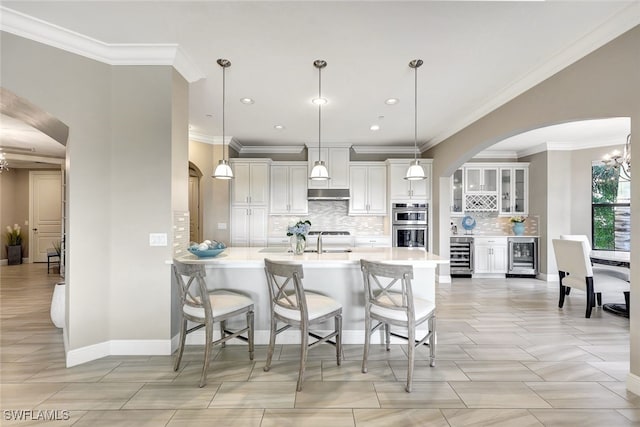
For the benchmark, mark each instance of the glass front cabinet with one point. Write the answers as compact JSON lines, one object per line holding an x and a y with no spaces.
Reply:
{"x":476,"y":186}
{"x":514,"y":188}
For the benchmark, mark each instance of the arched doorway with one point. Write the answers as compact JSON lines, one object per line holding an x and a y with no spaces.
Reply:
{"x":195,"y":207}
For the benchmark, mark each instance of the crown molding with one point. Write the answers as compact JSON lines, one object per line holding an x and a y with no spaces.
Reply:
{"x":566,"y":146}
{"x":383,"y":149}
{"x":213,"y":140}
{"x":496,"y":154}
{"x":44,"y":32}
{"x":623,"y":21}
{"x":272,"y":149}
{"x":329,"y":145}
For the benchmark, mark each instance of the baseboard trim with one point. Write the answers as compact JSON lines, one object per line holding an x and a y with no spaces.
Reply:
{"x":86,"y":354}
{"x":4,"y":262}
{"x":548,"y":277}
{"x":445,"y":278}
{"x":633,"y":383}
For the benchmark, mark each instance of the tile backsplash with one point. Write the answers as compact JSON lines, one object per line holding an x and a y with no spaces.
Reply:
{"x":493,"y":225}
{"x":330,"y":216}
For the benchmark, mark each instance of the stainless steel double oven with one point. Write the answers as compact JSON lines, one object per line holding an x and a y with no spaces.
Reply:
{"x":410,"y":225}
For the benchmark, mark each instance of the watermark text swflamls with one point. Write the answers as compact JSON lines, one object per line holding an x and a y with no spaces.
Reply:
{"x":35,"y":415}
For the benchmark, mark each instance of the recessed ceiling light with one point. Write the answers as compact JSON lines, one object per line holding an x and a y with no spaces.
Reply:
{"x":374,"y":127}
{"x":278,"y":127}
{"x":247,"y":101}
{"x":392,"y":101}
{"x":319,"y":101}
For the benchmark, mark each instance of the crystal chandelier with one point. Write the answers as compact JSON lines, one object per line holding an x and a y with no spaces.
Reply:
{"x":4,"y":165}
{"x":620,"y":163}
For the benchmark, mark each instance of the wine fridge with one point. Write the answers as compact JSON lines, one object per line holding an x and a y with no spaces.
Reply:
{"x":523,"y":256}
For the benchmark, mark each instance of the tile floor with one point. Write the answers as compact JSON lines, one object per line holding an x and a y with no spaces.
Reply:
{"x":507,"y":356}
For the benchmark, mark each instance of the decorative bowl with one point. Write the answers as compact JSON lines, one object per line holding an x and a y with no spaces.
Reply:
{"x":207,"y":253}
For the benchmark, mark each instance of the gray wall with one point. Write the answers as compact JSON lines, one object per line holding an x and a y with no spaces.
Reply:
{"x":121,"y":184}
{"x":605,"y":83}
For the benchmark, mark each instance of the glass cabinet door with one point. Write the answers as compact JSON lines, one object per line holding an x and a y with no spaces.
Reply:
{"x":456,"y":192}
{"x":519,"y":195}
{"x":473,"y":180}
{"x":505,"y":190}
{"x":490,"y":180}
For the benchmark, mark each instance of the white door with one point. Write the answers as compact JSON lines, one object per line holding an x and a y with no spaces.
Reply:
{"x":45,"y":213}
{"x":377,"y":190}
{"x":399,"y":187}
{"x":279,"y":200}
{"x":298,"y":190}
{"x":358,"y":201}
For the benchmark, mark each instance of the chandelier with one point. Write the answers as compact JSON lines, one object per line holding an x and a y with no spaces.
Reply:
{"x":620,"y":163}
{"x":4,"y":165}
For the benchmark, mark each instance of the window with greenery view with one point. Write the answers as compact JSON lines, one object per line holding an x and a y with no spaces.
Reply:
{"x":610,"y":209}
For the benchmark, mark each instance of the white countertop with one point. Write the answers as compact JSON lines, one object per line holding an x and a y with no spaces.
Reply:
{"x":254,"y":257}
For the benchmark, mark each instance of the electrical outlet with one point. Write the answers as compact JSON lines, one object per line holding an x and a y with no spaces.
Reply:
{"x":157,"y":239}
{"x":222,"y":226}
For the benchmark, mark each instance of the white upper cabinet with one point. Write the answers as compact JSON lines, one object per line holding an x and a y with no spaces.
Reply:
{"x":481,"y":179}
{"x":368,"y":189}
{"x":514,"y":190}
{"x":288,"y":188}
{"x":491,"y":187}
{"x":402,"y":189}
{"x":457,"y":192}
{"x":337,"y":161}
{"x":251,"y":183}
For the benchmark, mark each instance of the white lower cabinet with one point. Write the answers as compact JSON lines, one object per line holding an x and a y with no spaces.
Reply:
{"x":490,"y":255}
{"x":249,"y":226}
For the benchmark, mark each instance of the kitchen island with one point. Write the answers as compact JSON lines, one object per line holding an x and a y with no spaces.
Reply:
{"x":335,"y":274}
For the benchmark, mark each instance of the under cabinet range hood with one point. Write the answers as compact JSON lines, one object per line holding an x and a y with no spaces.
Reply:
{"x":328,"y":194}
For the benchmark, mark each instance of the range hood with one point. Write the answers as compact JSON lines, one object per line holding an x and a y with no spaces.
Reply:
{"x":328,"y":194}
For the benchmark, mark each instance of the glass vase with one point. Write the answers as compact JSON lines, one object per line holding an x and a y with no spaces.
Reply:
{"x":298,"y":244}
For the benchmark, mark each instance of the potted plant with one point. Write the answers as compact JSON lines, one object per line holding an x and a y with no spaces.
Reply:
{"x":14,"y":244}
{"x":518,"y":224}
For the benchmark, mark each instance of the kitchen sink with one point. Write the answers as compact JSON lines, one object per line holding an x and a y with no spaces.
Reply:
{"x":328,"y":251}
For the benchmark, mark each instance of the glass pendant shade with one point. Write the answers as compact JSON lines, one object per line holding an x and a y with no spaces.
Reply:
{"x":319,"y":171}
{"x":415,"y":172}
{"x":223,"y":170}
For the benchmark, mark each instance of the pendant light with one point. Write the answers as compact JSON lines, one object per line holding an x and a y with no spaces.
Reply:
{"x":319,"y":171}
{"x":223,"y":170}
{"x":415,"y":171}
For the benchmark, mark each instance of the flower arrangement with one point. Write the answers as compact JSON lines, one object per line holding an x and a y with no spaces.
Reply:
{"x":14,"y":235}
{"x":518,"y":218}
{"x":299,"y":229}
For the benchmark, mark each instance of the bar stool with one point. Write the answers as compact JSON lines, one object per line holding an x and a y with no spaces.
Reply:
{"x":292,"y":305}
{"x":220,"y":306}
{"x":389,"y":305}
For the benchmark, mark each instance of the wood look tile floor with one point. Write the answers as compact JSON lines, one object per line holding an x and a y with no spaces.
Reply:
{"x":507,"y":356}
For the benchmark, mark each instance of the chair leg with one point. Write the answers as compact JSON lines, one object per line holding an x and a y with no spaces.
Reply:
{"x":432,"y":341}
{"x":411,"y":346}
{"x":367,"y":341}
{"x":207,"y":353}
{"x":272,"y":343}
{"x":590,"y":297}
{"x":250,"y":334}
{"x":338,"y":323}
{"x":568,"y":290}
{"x":223,"y":324}
{"x":563,"y":292}
{"x":387,"y":336}
{"x":183,"y":336}
{"x":599,"y":297}
{"x":626,"y":300}
{"x":304,"y":348}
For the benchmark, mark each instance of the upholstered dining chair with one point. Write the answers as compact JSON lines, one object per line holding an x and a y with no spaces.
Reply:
{"x":292,"y":305}
{"x":619,"y":272}
{"x":206,"y":307}
{"x":574,"y":268}
{"x":389,"y":300}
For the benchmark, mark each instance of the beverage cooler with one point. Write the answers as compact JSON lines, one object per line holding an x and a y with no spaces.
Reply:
{"x":523,"y":256}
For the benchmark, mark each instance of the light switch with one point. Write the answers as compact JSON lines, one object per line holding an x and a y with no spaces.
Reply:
{"x":222,"y":226}
{"x":157,"y":239}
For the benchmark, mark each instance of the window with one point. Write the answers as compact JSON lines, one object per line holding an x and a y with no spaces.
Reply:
{"x":610,"y":209}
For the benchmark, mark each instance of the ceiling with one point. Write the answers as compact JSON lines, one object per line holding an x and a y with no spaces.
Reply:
{"x":477,"y":56}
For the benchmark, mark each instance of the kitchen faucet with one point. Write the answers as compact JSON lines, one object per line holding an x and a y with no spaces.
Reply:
{"x":319,"y":246}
